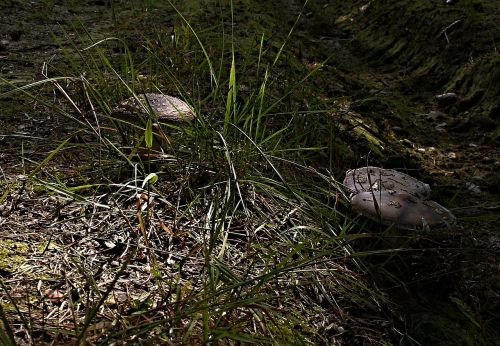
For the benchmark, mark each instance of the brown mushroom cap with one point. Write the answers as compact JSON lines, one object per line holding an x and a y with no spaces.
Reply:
{"x":380,"y":179}
{"x":165,"y":107}
{"x":403,"y":210}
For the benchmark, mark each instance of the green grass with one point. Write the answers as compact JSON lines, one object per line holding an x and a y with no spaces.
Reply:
{"x":269,"y":227}
{"x":235,"y":231}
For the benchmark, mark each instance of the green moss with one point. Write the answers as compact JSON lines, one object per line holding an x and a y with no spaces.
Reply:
{"x":12,"y":254}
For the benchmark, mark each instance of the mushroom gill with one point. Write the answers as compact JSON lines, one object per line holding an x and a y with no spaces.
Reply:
{"x":402,"y":210}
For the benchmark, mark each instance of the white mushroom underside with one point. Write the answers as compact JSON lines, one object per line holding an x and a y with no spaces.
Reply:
{"x":402,"y":210}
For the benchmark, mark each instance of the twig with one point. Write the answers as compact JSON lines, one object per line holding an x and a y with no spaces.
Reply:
{"x":443,"y":32}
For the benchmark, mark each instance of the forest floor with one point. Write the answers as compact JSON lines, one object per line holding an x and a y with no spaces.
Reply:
{"x":383,"y":64}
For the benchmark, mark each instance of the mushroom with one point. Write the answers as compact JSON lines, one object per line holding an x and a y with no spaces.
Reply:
{"x":166,"y":108}
{"x":394,"y":198}
{"x":402,"y":210}
{"x":380,"y":179}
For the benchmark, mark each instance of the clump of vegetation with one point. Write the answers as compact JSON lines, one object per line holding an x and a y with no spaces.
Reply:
{"x":232,"y":228}
{"x":222,"y":233}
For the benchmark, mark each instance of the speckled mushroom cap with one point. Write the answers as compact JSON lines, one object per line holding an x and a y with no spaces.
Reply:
{"x":394,"y":198}
{"x":402,"y":210}
{"x":166,"y":108}
{"x":380,"y":179}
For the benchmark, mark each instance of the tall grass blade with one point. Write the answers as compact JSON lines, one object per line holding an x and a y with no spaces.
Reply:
{"x":6,"y":335}
{"x":202,"y":46}
{"x":231,"y":97}
{"x":148,"y":134}
{"x":49,"y":157}
{"x":278,"y":55}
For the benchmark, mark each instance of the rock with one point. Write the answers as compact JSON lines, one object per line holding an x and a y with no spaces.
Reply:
{"x":402,"y":210}
{"x":473,"y":188}
{"x":446,"y":99}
